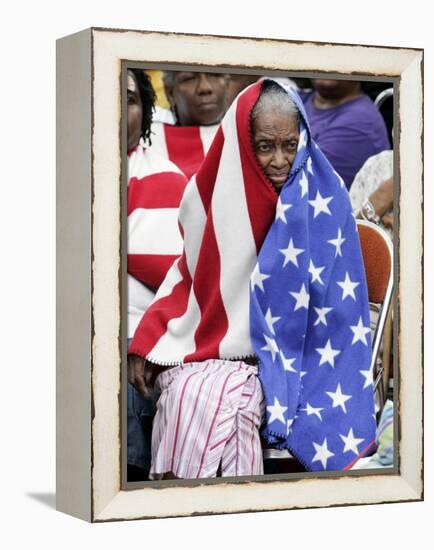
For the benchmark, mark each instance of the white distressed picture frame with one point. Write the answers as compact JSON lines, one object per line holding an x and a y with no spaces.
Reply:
{"x":89,"y":269}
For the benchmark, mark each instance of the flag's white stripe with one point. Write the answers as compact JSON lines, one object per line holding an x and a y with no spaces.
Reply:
{"x":173,"y":277}
{"x":229,"y":201}
{"x":207,"y":134}
{"x":178,"y":340}
{"x":192,"y":218}
{"x":145,"y":235}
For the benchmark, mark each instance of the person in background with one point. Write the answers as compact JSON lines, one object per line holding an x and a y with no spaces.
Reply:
{"x":198,"y":102}
{"x":155,"y":189}
{"x":237,"y":83}
{"x":346,"y":124}
{"x":371,"y":194}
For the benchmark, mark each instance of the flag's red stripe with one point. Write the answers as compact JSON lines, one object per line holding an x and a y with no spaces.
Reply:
{"x":153,"y":325}
{"x":184,"y":147}
{"x":260,"y":195}
{"x":150,"y":269}
{"x":162,"y":190}
{"x":214,"y":322}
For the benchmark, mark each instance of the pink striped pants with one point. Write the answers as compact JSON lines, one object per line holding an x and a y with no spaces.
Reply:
{"x":208,"y":415}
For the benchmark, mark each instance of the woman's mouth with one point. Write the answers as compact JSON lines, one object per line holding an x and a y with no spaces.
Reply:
{"x":277,"y":179}
{"x":207,"y":105}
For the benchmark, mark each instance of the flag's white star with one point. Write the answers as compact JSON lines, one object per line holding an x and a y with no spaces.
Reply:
{"x":287,"y":363}
{"x":338,"y":242}
{"x":312,"y":410}
{"x":328,"y":354}
{"x":276,"y":412}
{"x":348,"y":287}
{"x":303,"y":373}
{"x":322,"y":312}
{"x":270,"y":320}
{"x":271,"y":346}
{"x":360,"y":332}
{"x":291,"y":253}
{"x":320,"y":205}
{"x":316,"y":272}
{"x":257,"y":278}
{"x":351,"y":442}
{"x":309,"y":165}
{"x":302,"y":298}
{"x":304,"y":184}
{"x":281,"y":208}
{"x":369,"y":379}
{"x":322,"y":453}
{"x":339,"y":398}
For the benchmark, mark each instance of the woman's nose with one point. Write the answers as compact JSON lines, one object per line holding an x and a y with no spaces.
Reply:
{"x":280,"y":159}
{"x":204,"y":85}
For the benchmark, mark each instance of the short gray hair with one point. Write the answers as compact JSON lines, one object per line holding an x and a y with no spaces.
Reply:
{"x":274,"y":98}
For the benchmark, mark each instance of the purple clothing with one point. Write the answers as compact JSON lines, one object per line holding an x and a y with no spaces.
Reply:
{"x":347,"y":134}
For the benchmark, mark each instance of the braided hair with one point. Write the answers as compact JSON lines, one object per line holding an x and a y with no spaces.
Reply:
{"x":148,"y":97}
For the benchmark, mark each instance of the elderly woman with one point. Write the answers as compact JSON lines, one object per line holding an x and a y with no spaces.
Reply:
{"x":197,"y":103}
{"x":155,"y":188}
{"x":263,"y":318}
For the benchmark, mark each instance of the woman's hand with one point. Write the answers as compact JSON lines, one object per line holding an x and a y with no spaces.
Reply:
{"x":138,"y":375}
{"x":382,"y":198}
{"x":387,"y":221}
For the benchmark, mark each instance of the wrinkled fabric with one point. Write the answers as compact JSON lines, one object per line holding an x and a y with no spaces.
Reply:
{"x":309,"y":319}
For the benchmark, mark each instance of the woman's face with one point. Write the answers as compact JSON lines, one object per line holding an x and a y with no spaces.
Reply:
{"x":199,"y":98}
{"x":275,"y":141}
{"x":335,"y":89}
{"x":135,"y":112}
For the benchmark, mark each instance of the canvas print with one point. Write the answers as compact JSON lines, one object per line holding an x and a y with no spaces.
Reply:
{"x":259,"y":274}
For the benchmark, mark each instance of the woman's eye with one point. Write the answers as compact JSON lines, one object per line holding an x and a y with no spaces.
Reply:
{"x":263,"y":147}
{"x":187,"y":78}
{"x":292,"y":145}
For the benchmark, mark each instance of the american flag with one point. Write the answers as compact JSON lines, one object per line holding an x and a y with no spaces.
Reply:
{"x":309,"y":319}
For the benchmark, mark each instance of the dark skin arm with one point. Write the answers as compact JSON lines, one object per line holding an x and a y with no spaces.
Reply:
{"x":140,"y":374}
{"x":382,"y":201}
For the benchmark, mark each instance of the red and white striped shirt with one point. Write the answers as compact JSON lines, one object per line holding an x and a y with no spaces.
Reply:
{"x":185,"y":146}
{"x":155,"y":189}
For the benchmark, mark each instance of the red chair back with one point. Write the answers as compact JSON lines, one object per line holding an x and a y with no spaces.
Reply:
{"x":377,"y":257}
